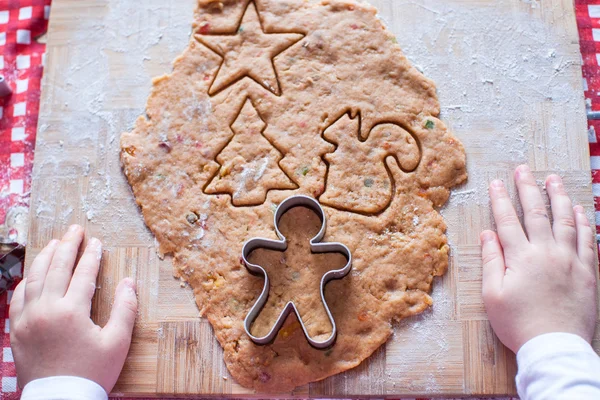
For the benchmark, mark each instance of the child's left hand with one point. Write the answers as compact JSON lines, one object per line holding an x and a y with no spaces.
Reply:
{"x":51,"y":331}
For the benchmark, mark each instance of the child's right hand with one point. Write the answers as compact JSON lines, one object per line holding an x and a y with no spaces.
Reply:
{"x":541,"y":279}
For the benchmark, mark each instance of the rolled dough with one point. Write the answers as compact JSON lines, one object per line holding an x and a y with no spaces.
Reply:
{"x":278,"y":97}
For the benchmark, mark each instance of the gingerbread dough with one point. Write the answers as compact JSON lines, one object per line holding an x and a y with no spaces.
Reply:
{"x":280,"y":97}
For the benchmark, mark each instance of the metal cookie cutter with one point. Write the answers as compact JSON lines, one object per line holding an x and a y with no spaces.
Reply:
{"x":281,"y":245}
{"x":5,"y":90}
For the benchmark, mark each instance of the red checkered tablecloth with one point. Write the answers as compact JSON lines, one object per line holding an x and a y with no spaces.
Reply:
{"x":588,"y":20}
{"x":21,"y":63}
{"x":22,"y":60}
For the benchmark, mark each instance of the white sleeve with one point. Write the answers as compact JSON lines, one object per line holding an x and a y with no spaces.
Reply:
{"x":63,"y":388}
{"x":558,"y":366}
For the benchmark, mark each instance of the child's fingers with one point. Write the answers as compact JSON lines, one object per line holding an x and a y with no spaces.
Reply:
{"x":510,"y":231}
{"x":562,"y":212}
{"x":17,"y":303}
{"x":585,"y":239}
{"x":536,"y":219}
{"x":83,"y":284}
{"x":38,"y":271}
{"x":122,"y":316}
{"x":61,"y":268}
{"x":493,"y":264}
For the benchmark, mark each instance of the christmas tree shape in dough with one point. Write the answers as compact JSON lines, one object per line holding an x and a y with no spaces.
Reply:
{"x":249,"y":163}
{"x":370,"y":187}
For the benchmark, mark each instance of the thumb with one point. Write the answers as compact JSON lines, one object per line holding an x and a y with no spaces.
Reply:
{"x":119,"y":328}
{"x":493,"y":265}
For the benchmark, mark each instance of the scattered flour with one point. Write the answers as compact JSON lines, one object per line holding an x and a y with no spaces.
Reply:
{"x":496,"y":70}
{"x":492,"y":66}
{"x":112,"y":60}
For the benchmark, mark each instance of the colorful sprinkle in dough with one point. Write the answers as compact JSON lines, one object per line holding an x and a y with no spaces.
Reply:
{"x":280,"y":97}
{"x":249,"y":163}
{"x":248,"y":42}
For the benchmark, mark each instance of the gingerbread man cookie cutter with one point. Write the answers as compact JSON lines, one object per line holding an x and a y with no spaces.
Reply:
{"x":281,"y":245}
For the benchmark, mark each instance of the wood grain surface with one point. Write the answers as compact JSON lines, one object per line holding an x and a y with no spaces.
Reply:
{"x":510,"y":86}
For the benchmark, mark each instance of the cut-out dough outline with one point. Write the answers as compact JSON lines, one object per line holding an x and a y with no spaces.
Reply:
{"x":214,"y":175}
{"x":316,"y":246}
{"x":251,"y":4}
{"x":352,"y":115}
{"x":357,"y":114}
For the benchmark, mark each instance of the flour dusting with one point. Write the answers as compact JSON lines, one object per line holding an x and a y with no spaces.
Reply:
{"x":492,"y":66}
{"x":112,"y":60}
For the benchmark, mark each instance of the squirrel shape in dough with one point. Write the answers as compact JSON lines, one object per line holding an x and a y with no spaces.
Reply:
{"x":370,"y":187}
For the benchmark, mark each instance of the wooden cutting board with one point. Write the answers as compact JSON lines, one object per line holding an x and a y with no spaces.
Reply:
{"x":510,"y":85}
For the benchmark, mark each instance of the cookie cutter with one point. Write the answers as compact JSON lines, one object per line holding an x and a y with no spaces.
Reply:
{"x":281,"y":245}
{"x":12,"y":256}
{"x":5,"y":89}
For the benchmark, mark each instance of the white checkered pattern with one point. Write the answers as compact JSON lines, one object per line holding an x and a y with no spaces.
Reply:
{"x":7,"y":355}
{"x":20,"y":109}
{"x":23,"y":62}
{"x":16,"y":186}
{"x":17,"y":134}
{"x":594,"y":11}
{"x":592,"y":137}
{"x":22,"y":85}
{"x":9,"y":384}
{"x":23,"y":36}
{"x":595,"y":161}
{"x":25,"y":13}
{"x":17,"y":160}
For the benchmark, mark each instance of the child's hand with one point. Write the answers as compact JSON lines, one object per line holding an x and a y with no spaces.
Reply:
{"x":51,"y":331}
{"x":542,"y":281}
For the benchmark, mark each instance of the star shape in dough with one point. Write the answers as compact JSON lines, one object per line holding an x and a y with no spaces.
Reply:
{"x":248,"y":52}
